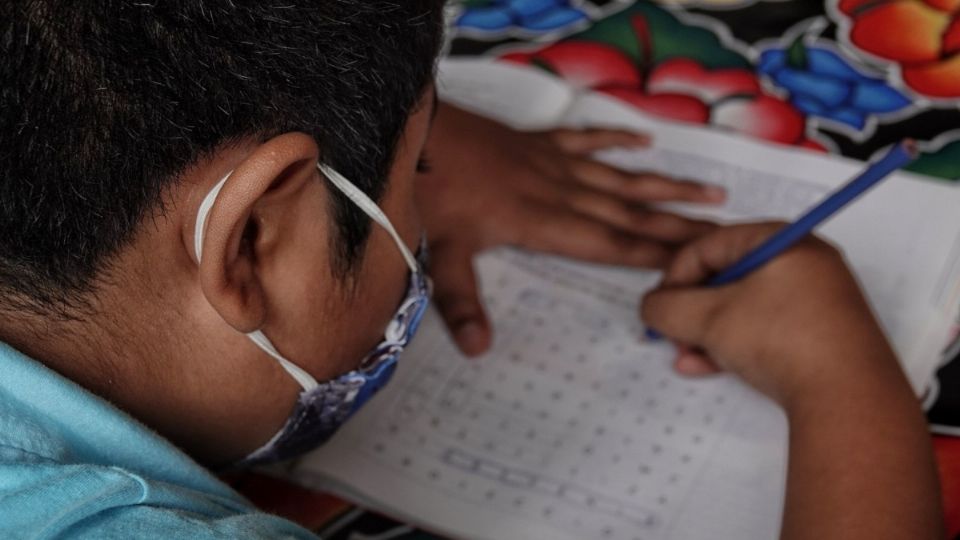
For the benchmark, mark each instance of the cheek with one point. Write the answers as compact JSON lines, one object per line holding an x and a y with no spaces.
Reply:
{"x":381,"y":288}
{"x":399,"y":203}
{"x":334,"y":329}
{"x":310,"y":319}
{"x":384,"y":276}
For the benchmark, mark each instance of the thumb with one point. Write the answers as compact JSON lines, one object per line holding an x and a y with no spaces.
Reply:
{"x":458,"y":300}
{"x":683,"y":314}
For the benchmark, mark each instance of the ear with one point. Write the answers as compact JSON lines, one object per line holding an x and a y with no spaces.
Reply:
{"x":276,"y":169}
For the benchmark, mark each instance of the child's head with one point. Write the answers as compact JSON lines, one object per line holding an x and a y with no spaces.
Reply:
{"x":118,"y":118}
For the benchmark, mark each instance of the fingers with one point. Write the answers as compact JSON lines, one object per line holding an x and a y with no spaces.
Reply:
{"x":586,"y":141}
{"x":458,"y":300}
{"x":562,"y":232}
{"x":636,"y":219}
{"x":643,"y":187}
{"x":683,"y":315}
{"x":714,"y":252}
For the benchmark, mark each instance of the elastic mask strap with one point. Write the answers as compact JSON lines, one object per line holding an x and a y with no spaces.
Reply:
{"x":201,"y":227}
{"x":307,"y":382}
{"x":370,"y":208}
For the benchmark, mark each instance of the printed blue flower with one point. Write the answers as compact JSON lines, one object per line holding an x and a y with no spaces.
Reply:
{"x":529,"y":15}
{"x":822,"y":84}
{"x":532,"y":8}
{"x":489,"y":19}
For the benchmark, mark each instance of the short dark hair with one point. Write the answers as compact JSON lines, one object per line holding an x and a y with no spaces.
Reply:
{"x":104,"y":104}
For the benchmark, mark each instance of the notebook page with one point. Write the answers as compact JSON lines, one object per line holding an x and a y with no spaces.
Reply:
{"x":573,"y":428}
{"x":535,"y":102}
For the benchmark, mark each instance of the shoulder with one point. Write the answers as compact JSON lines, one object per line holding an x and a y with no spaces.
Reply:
{"x":72,"y":465}
{"x":41,"y":497}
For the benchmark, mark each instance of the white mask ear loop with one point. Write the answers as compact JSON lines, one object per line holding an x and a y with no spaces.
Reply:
{"x":371,"y":209}
{"x":306,"y":381}
{"x":201,"y":226}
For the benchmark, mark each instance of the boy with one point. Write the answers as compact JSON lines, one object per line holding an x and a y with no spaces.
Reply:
{"x":210,"y":213}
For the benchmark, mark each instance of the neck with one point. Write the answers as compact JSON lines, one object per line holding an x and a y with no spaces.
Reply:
{"x":141,"y":354}
{"x":71,"y":344}
{"x":163,"y":387}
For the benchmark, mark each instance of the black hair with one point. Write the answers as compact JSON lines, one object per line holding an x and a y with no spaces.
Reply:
{"x":104,"y":104}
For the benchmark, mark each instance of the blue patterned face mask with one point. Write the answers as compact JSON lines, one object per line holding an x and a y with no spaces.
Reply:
{"x":323,"y":407}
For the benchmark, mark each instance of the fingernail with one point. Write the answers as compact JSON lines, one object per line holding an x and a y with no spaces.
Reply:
{"x":685,"y":365}
{"x":472,"y":338}
{"x":693,"y":365}
{"x":715,"y":193}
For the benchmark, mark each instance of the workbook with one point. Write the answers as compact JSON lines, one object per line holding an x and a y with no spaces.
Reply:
{"x":573,"y":427}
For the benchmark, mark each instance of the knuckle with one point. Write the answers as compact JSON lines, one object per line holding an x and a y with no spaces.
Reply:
{"x":701,"y":227}
{"x":580,"y":199}
{"x":765,"y":229}
{"x":827,"y":247}
{"x":562,"y":136}
{"x":621,"y":245}
{"x":648,"y":254}
{"x":810,"y":256}
{"x":652,"y":221}
{"x":711,"y":329}
{"x":814,"y":248}
{"x":582,"y":168}
{"x":649,"y":181}
{"x":673,"y":225}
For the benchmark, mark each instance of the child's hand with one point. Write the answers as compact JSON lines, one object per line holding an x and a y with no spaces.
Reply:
{"x":800,"y":331}
{"x":490,"y":185}
{"x":798,"y":323}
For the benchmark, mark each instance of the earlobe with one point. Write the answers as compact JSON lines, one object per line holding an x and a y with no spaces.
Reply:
{"x":228,"y":259}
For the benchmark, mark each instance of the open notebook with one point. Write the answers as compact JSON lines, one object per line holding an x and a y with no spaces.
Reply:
{"x":572,"y":427}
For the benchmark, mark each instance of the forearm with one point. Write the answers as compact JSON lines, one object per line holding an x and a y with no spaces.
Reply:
{"x":861,"y":465}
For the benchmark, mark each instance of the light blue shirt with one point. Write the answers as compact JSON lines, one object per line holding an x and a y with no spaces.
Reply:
{"x":72,"y":465}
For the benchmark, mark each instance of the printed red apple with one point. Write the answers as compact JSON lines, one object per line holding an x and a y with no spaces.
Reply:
{"x":763,"y":117}
{"x":585,"y":64}
{"x":679,"y":89}
{"x":678,"y":107}
{"x":811,"y":144}
{"x":922,"y":36}
{"x":685,"y":76}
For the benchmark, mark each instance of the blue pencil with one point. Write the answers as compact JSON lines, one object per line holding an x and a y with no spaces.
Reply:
{"x":898,"y":156}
